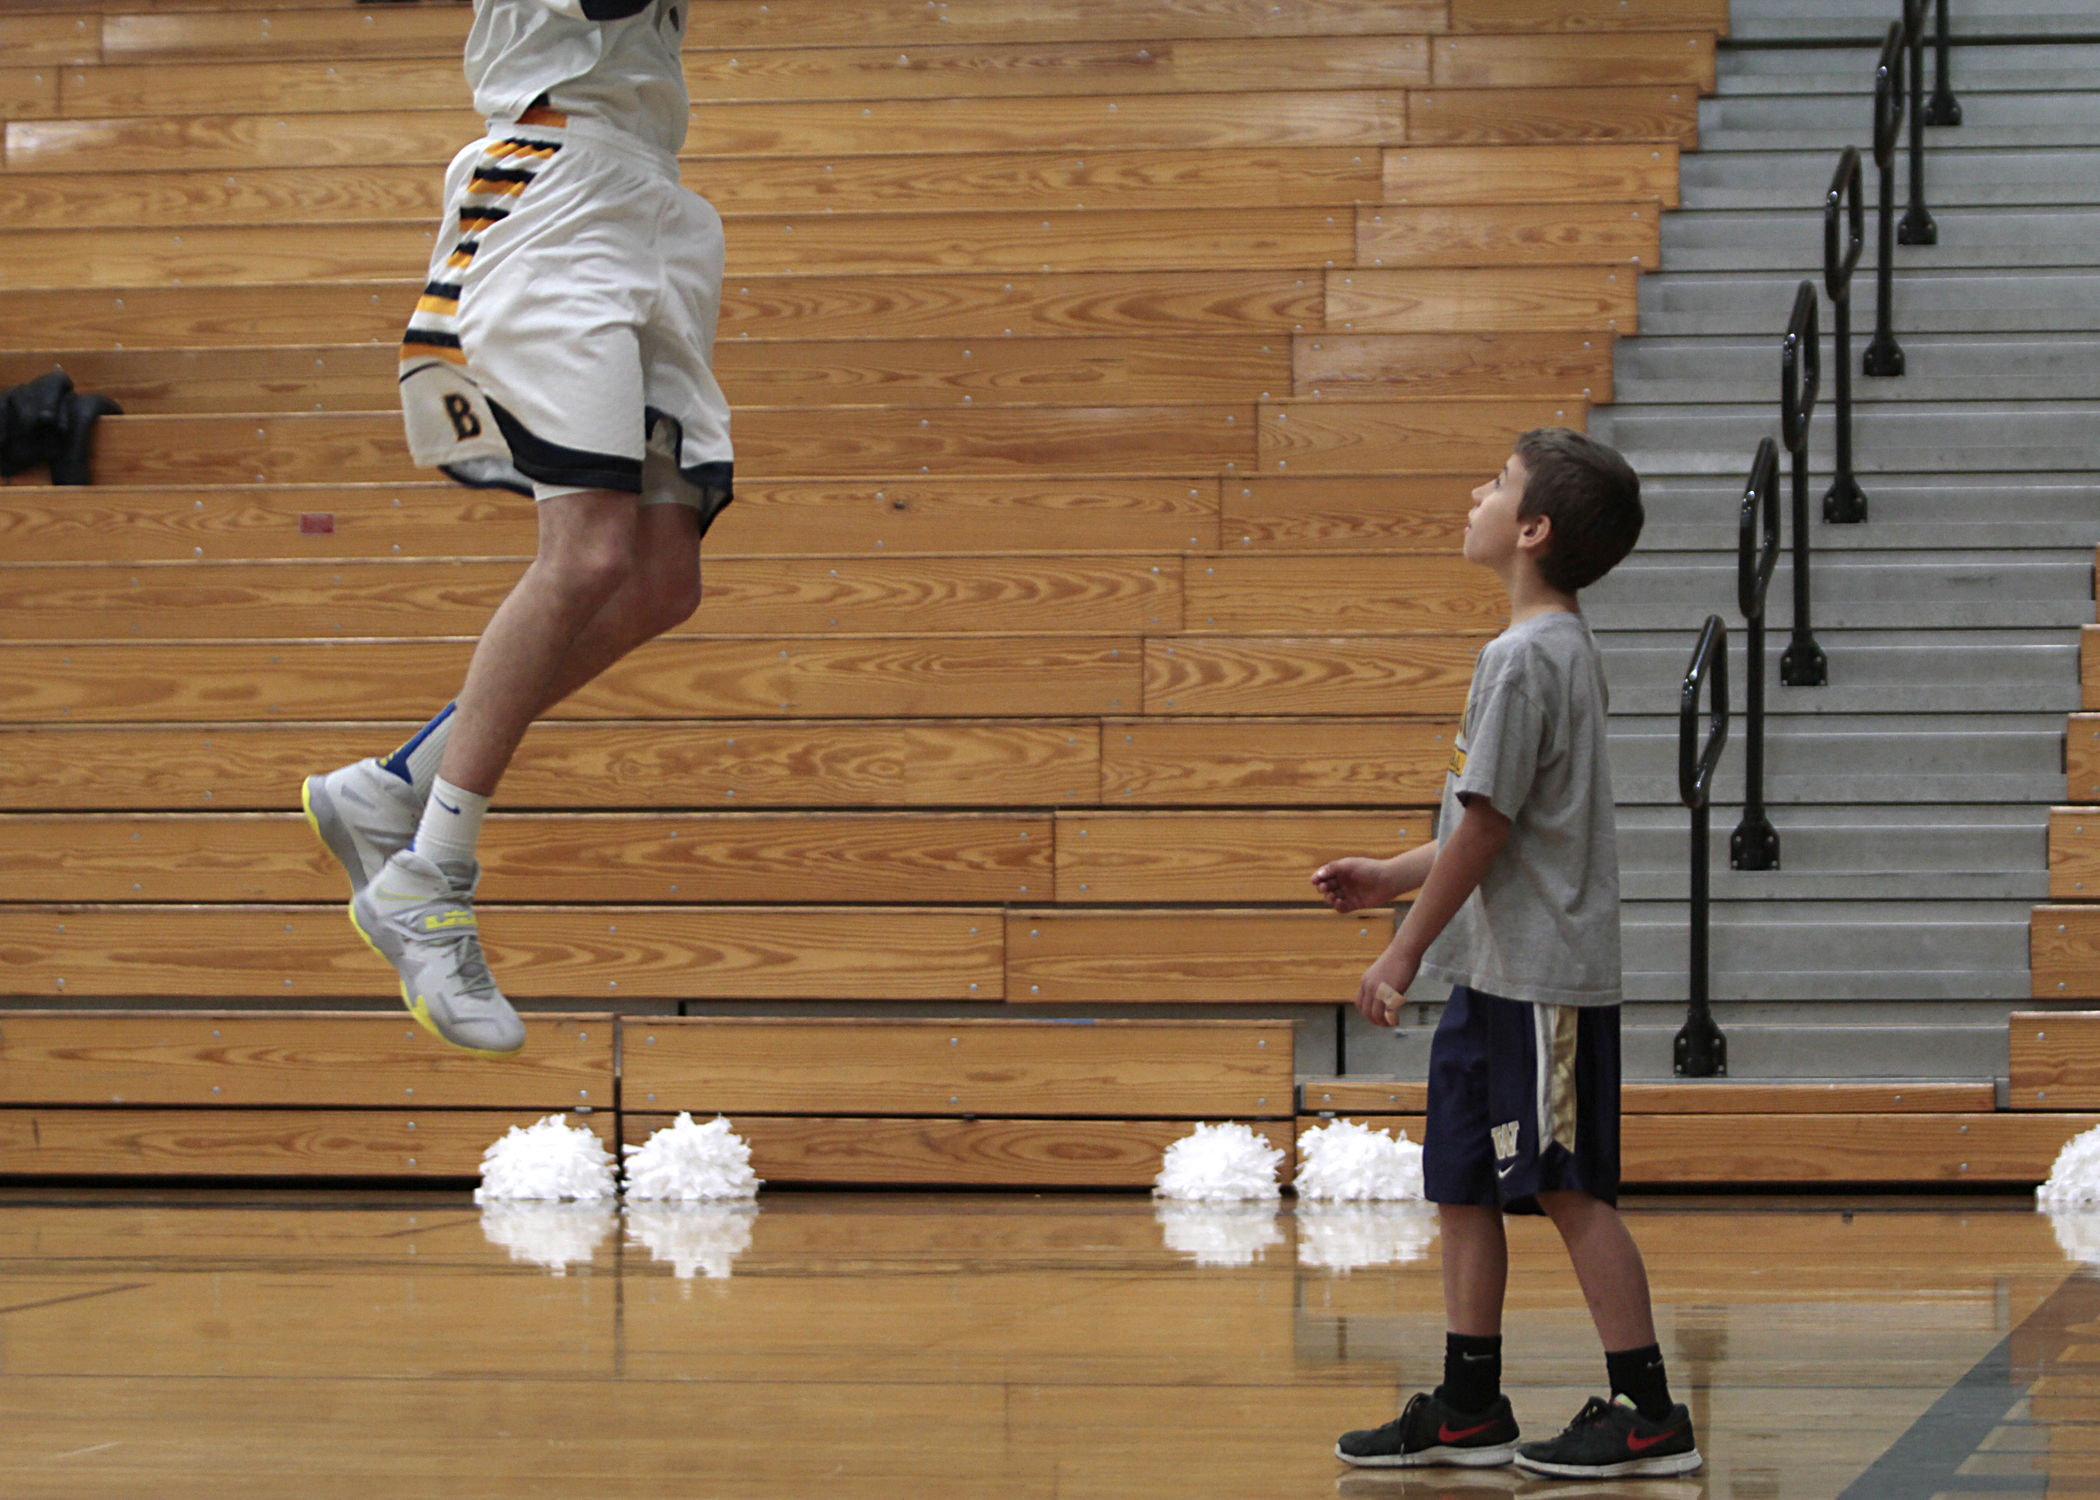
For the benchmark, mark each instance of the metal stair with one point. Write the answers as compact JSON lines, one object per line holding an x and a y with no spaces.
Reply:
{"x":1911,"y":793}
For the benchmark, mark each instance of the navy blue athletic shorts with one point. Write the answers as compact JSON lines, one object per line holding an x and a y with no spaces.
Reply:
{"x":1523,"y":1099}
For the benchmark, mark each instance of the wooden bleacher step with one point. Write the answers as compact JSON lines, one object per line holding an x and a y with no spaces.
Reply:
{"x":1160,"y":596}
{"x":1930,"y":1133}
{"x":1482,"y":300}
{"x":582,"y":765}
{"x":934,"y":1103}
{"x":612,"y":764}
{"x":695,"y":858}
{"x":1154,"y":368}
{"x":1334,"y":177}
{"x":2055,"y":1060}
{"x":603,"y":955}
{"x":1422,"y":513}
{"x":1010,"y":1103}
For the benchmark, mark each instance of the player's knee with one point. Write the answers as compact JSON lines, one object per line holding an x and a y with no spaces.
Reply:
{"x":591,"y":569}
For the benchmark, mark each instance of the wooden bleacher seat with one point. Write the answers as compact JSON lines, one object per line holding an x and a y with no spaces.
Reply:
{"x":1582,"y":173}
{"x":2064,"y":952}
{"x":1249,"y":762}
{"x":422,"y":519}
{"x":1235,"y":675}
{"x":764,"y":677}
{"x":936,"y":1103}
{"x":1453,"y":364}
{"x":1517,"y":299}
{"x":1227,"y":858}
{"x":1588,"y":15}
{"x":1745,"y":1131}
{"x":1312,"y":513}
{"x":233,"y":1059}
{"x":610,"y":954}
{"x":2082,"y":757}
{"x":1527,"y":60}
{"x":1137,"y":957}
{"x":584,"y":764}
{"x":970,"y":858}
{"x":2055,"y":1060}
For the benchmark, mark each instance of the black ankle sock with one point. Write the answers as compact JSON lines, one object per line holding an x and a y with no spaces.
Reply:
{"x":1638,"y":1375}
{"x":1472,"y":1372}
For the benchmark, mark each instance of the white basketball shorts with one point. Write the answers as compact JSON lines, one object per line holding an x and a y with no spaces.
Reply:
{"x":564,"y":338}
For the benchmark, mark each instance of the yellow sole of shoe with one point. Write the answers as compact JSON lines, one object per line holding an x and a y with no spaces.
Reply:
{"x":415,"y":1006}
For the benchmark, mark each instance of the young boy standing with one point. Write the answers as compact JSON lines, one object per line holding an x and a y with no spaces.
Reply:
{"x":1518,"y":909}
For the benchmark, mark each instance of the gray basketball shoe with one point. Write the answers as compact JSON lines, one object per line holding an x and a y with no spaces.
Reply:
{"x":419,"y":917}
{"x":364,"y":813}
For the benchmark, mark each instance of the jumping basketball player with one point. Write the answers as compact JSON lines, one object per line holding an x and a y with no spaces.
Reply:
{"x":561,"y":350}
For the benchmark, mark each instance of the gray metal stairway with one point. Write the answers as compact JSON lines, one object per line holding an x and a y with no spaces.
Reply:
{"x":1910,"y":794}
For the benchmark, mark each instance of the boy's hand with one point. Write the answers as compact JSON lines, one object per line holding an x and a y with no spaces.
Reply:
{"x":1383,"y":988}
{"x":1354,"y":883}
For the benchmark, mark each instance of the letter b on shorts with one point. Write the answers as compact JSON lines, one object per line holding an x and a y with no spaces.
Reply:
{"x":461,"y":411}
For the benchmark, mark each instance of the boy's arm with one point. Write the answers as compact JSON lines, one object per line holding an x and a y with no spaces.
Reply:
{"x":1354,"y":883}
{"x":1461,"y":861}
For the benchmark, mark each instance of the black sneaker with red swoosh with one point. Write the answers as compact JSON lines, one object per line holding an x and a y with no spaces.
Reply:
{"x":1427,"y":1434}
{"x":1612,"y":1440}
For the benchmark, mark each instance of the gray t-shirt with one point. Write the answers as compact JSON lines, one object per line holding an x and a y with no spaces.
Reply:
{"x":1544,"y":924}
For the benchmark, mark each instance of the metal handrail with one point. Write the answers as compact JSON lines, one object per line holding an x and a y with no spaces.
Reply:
{"x":1884,"y":354}
{"x":1945,"y":109}
{"x":1700,"y":1049}
{"x":1800,"y":372}
{"x":1755,"y":843}
{"x":1844,"y":223}
{"x":1917,"y":227}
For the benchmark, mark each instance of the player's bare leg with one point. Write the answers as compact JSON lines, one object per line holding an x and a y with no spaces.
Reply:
{"x":586,"y":554}
{"x":417,"y":910}
{"x":659,"y":593}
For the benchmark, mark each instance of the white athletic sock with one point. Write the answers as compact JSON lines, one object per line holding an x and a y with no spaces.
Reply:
{"x":417,"y":761}
{"x":451,"y":824}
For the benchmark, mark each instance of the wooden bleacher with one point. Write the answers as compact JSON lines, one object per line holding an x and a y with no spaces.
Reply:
{"x":2056,"y":1054}
{"x":1104,"y":415}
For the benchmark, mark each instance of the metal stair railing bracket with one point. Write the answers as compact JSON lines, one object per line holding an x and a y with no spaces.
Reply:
{"x":1884,"y":355}
{"x":1844,"y":236}
{"x":1945,"y":109}
{"x":1755,"y":843}
{"x":1800,"y":372}
{"x":1917,"y":227}
{"x":1700,"y":1050}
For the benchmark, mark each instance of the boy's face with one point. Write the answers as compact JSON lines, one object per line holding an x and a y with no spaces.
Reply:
{"x":1494,"y":532}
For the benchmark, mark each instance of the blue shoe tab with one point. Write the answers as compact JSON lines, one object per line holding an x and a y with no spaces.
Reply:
{"x":398,"y":761}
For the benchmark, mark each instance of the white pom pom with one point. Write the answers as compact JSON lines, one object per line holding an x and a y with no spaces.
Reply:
{"x":554,"y":1235}
{"x":2074,"y":1182}
{"x":1219,"y":1164}
{"x":1350,"y":1163}
{"x":702,"y":1237}
{"x":546,"y":1161}
{"x":688,"y":1163}
{"x":1218,"y":1234}
{"x":1350,"y":1236}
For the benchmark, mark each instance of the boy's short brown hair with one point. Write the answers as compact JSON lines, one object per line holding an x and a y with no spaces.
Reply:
{"x":1592,"y":497}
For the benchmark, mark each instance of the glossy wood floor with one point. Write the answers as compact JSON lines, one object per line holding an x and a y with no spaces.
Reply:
{"x":167,"y":1345}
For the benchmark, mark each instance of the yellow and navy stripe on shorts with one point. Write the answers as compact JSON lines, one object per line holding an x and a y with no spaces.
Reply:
{"x":506,"y":169}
